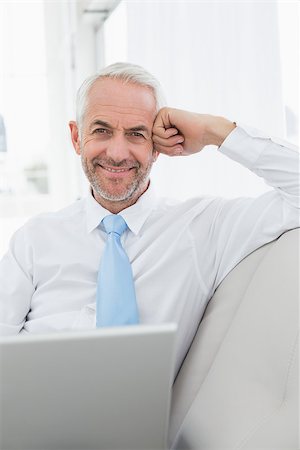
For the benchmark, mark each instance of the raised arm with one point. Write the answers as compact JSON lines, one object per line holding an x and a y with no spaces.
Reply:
{"x":232,"y":228}
{"x":177,"y":132}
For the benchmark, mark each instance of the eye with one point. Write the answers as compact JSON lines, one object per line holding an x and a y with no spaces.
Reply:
{"x":101,"y":131}
{"x":136,"y":134}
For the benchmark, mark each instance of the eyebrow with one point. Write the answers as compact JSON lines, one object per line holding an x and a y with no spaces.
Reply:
{"x":104,"y":124}
{"x":101,"y":123}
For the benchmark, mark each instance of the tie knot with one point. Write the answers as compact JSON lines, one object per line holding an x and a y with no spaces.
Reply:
{"x":114,"y":224}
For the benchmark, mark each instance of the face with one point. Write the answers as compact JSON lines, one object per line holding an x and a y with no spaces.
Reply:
{"x":116,"y":141}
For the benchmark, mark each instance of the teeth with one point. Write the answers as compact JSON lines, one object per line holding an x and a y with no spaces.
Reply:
{"x":115,"y":170}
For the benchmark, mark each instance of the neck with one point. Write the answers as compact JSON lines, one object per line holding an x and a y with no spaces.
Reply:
{"x":116,"y":206}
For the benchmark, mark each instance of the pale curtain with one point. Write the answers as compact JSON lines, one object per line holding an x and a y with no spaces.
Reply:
{"x":211,"y":57}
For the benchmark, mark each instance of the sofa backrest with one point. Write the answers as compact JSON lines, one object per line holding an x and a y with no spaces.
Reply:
{"x":238,"y":386}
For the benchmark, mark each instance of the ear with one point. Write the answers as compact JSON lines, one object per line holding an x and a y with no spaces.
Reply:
{"x":75,"y":136}
{"x":155,"y":155}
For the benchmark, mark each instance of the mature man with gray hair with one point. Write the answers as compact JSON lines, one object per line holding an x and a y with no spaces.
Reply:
{"x":178,"y":252}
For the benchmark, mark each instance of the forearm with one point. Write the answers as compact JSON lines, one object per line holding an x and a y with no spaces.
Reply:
{"x":217,"y":129}
{"x":276,"y":161}
{"x":178,"y":132}
{"x":242,"y":225}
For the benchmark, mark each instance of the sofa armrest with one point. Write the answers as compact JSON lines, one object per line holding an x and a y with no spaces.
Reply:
{"x":237,"y":387}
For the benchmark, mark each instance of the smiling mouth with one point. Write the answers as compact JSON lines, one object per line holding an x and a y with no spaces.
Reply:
{"x":115,"y":170}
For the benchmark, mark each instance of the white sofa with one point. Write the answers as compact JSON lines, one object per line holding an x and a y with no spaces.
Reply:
{"x":238,"y":386}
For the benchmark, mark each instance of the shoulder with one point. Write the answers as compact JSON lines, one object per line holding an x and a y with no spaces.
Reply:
{"x":187,"y":210}
{"x":52,"y":222}
{"x":187,"y":205}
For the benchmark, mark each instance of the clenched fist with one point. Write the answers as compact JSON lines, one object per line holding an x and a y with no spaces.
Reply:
{"x":177,"y":132}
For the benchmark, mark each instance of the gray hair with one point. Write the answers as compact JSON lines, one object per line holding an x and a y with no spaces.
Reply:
{"x":128,"y":73}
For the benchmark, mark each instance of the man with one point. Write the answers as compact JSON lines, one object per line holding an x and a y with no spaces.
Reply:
{"x":179,"y":251}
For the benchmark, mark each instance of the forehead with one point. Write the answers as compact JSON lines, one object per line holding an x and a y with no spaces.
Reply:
{"x":114,"y":99}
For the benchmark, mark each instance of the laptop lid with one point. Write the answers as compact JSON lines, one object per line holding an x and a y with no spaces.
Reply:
{"x":97,"y":390}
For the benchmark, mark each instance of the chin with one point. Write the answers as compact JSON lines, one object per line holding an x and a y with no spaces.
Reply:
{"x":115,"y":196}
{"x":124,"y":194}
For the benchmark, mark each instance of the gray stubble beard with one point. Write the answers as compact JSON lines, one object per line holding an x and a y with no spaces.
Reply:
{"x":137,"y":186}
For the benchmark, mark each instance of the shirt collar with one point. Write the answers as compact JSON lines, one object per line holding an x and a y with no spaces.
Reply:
{"x":135,"y":216}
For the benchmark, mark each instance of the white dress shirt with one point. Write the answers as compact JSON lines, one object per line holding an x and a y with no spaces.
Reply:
{"x":179,"y":251}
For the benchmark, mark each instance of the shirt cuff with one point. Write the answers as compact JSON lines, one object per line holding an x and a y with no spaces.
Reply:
{"x":239,"y":145}
{"x":245,"y":144}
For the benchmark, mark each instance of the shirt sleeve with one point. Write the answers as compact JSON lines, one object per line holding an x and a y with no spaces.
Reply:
{"x":236,"y":227}
{"x":16,"y":286}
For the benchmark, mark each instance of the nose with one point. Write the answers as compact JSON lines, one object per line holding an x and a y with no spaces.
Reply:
{"x":118,"y":148}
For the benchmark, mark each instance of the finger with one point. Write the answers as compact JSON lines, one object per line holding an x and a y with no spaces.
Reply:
{"x":168,"y":132}
{"x":176,"y":150}
{"x":160,"y":129}
{"x":169,"y":142}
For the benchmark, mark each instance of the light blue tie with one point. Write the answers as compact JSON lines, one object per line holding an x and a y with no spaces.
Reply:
{"x":116,"y":301}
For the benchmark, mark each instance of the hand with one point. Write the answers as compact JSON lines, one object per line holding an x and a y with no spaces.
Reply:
{"x":177,"y":132}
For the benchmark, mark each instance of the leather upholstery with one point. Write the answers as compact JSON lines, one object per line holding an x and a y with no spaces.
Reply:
{"x":238,"y":386}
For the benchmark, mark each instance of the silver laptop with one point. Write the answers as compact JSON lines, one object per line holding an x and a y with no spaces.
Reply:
{"x":99,"y":390}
